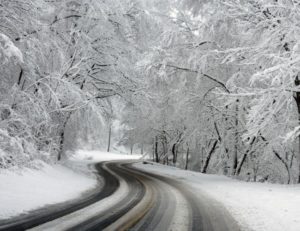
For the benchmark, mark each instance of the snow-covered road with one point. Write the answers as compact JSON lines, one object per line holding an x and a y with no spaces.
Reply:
{"x":145,"y":202}
{"x":255,"y":206}
{"x":149,"y":196}
{"x":130,"y":198}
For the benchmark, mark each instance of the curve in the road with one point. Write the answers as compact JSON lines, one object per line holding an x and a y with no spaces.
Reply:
{"x":135,"y":195}
{"x":158,"y":214}
{"x":205,"y":213}
{"x":152,"y":202}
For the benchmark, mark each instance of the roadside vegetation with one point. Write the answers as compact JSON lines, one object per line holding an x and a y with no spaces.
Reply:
{"x":211,"y":86}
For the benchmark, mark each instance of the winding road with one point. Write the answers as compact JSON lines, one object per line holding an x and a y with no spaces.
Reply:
{"x":131,"y":199}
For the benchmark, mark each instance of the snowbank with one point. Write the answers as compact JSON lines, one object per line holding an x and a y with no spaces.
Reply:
{"x":30,"y":189}
{"x":256,"y":206}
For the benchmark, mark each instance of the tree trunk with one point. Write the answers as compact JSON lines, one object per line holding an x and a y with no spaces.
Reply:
{"x":165,"y":154}
{"x":236,"y":139}
{"x":109,"y":138}
{"x":206,"y":163}
{"x":187,"y":158}
{"x":285,"y":165}
{"x":291,"y":161}
{"x":153,"y":150}
{"x":241,"y":163}
{"x":174,"y":152}
{"x":142,"y":148}
{"x":62,"y":137}
{"x":202,"y":157}
{"x":156,"y":150}
{"x":131,"y":148}
{"x":297,"y":99}
{"x":165,"y":150}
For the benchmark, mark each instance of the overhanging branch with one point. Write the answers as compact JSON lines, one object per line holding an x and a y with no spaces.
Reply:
{"x":220,"y":83}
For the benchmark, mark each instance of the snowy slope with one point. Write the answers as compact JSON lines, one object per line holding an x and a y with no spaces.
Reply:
{"x":27,"y":189}
{"x":256,"y":206}
{"x":80,"y":216}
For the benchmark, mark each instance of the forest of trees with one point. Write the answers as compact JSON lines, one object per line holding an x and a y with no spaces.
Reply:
{"x":208,"y":85}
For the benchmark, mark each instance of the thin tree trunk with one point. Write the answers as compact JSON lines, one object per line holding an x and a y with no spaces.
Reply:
{"x":241,"y":163}
{"x":236,"y":139}
{"x":165,"y":150}
{"x":291,"y":161}
{"x":225,"y":170}
{"x":109,"y":138}
{"x":156,"y":150}
{"x":131,"y":148}
{"x":153,"y":150}
{"x":174,"y":152}
{"x":206,"y":163}
{"x":254,"y":175}
{"x":202,"y":157}
{"x":187,"y":158}
{"x":285,"y":165}
{"x":62,"y":137}
{"x":297,"y":99}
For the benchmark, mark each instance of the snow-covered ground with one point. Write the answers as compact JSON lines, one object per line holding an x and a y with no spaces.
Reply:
{"x":97,"y":156}
{"x":29,"y":189}
{"x":68,"y":221}
{"x":255,"y":206}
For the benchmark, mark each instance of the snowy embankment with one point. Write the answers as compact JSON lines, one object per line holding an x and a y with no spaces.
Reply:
{"x":69,"y":221}
{"x":255,"y":206}
{"x":28,"y":189}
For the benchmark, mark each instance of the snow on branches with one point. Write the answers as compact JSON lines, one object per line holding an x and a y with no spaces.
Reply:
{"x":8,"y":51}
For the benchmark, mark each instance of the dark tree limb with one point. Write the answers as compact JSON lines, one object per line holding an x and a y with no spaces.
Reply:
{"x":220,"y":83}
{"x":208,"y":157}
{"x":285,"y":165}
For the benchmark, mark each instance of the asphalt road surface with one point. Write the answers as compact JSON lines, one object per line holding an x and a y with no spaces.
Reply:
{"x":130,"y":199}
